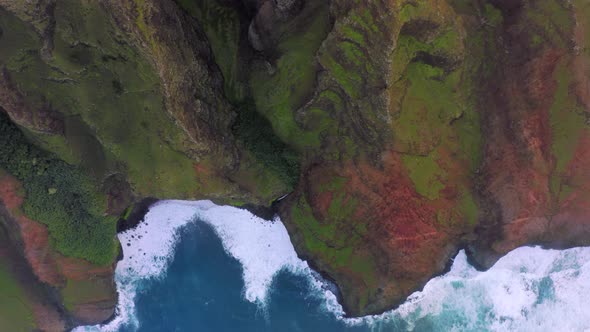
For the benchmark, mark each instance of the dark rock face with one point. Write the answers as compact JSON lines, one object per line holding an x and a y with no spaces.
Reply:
{"x":417,"y":127}
{"x":178,"y":49}
{"x":269,"y":14}
{"x":42,"y":117}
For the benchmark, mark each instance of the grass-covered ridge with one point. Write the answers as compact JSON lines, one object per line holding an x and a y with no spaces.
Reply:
{"x":60,"y":196}
{"x":280,"y":92}
{"x":110,"y":96}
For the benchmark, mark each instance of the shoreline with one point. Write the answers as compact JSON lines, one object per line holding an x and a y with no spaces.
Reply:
{"x":138,"y":212}
{"x":235,"y":227}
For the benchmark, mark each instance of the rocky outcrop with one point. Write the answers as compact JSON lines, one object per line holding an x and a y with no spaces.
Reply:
{"x":269,"y":14}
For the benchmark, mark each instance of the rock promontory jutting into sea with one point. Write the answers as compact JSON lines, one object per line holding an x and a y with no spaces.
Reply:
{"x":396,"y":133}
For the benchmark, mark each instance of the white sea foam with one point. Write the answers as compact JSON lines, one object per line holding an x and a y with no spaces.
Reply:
{"x":528,"y":289}
{"x":263,"y":248}
{"x":147,"y":251}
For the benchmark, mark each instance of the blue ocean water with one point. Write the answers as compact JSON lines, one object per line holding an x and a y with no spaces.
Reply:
{"x":196,"y":266}
{"x":202,"y":291}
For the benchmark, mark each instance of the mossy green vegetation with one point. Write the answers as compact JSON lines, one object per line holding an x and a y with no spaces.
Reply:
{"x":346,"y":56}
{"x":582,"y":10}
{"x":337,"y":243}
{"x":61,"y":196}
{"x":278,"y":94}
{"x":553,"y":23}
{"x":257,"y":136}
{"x":15,"y":310}
{"x":425,"y":174}
{"x":567,"y":123}
{"x":84,"y":291}
{"x":437,"y":124}
{"x":222,"y":26}
{"x":110,"y":96}
{"x":553,"y":19}
{"x":566,"y":118}
{"x":492,"y":15}
{"x":424,"y":123}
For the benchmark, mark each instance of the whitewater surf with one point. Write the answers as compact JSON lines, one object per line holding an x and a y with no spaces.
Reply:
{"x":528,"y":289}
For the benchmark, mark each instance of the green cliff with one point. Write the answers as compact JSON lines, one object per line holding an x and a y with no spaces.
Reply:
{"x":401,"y":131}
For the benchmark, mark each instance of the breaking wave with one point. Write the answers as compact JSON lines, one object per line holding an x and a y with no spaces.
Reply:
{"x":528,"y":289}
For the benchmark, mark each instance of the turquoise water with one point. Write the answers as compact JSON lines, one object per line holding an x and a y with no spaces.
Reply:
{"x":195,"y":266}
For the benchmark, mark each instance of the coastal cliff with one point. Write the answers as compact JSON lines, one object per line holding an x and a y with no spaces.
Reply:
{"x":400,"y":132}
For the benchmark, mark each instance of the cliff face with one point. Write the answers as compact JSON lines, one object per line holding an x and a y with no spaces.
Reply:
{"x":403,"y":130}
{"x":535,"y":164}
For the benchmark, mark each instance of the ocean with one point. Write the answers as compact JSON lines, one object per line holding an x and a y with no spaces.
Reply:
{"x":196,"y":266}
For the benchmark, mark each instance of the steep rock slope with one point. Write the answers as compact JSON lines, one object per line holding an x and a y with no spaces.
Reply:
{"x":402,"y":130}
{"x":534,"y":173}
{"x":128,"y":95}
{"x":424,"y":127}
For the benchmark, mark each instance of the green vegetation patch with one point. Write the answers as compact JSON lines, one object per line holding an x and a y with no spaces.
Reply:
{"x":336,"y":242}
{"x":553,"y":19}
{"x":424,"y":172}
{"x":567,"y":119}
{"x":424,"y":125}
{"x":333,"y":238}
{"x":60,"y":196}
{"x":222,"y":26}
{"x":15,"y":310}
{"x":279,"y":94}
{"x":437,"y":125}
{"x":257,"y":135}
{"x":110,"y":96}
{"x":84,"y":291}
{"x":567,"y":123}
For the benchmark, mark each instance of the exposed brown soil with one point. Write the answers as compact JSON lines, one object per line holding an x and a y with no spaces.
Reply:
{"x":519,"y":164}
{"x":38,"y":252}
{"x":403,"y":235}
{"x":9,"y":187}
{"x":54,"y":269}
